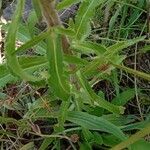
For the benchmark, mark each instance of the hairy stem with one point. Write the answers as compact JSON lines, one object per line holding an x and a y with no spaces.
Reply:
{"x":51,"y":16}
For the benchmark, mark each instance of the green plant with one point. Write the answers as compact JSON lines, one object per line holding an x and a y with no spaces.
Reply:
{"x":59,"y":63}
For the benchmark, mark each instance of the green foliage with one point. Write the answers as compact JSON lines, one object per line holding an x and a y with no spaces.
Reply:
{"x":71,"y":105}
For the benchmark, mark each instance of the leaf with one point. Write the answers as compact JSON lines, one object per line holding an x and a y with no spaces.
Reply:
{"x":5,"y":120}
{"x":133,"y":138}
{"x":40,"y":113}
{"x":121,"y":45}
{"x":29,"y":64}
{"x":135,"y":14}
{"x":66,"y":3}
{"x":31,"y":22}
{"x":95,"y":99}
{"x":23,"y":36}
{"x":46,"y":143}
{"x":29,"y":146}
{"x":89,"y":47}
{"x":34,"y":41}
{"x":124,"y":97}
{"x":12,"y":60}
{"x":114,"y":19}
{"x":141,"y":145}
{"x":75,"y":60}
{"x":95,"y":123}
{"x":135,"y":126}
{"x":119,"y":120}
{"x":36,"y":5}
{"x":57,"y":80}
{"x":146,"y":48}
{"x":110,"y":140}
{"x":85,"y":13}
{"x":5,"y":76}
{"x":65,"y":31}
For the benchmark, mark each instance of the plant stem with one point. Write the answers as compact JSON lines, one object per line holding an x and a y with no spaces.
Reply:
{"x":51,"y":16}
{"x":132,"y":71}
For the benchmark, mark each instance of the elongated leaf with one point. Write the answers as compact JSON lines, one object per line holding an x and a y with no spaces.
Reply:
{"x":133,"y":138}
{"x":146,"y":48}
{"x":32,"y":64}
{"x":121,"y":45}
{"x":29,"y":146}
{"x":36,"y":5}
{"x":124,"y":97}
{"x":31,"y":22}
{"x":89,"y":47}
{"x":29,"y":64}
{"x":141,"y":144}
{"x":135,"y":14}
{"x":12,"y":61}
{"x":64,"y":31}
{"x":95,"y":123}
{"x":85,"y":13}
{"x":5,"y":76}
{"x":66,"y":3}
{"x":34,"y":41}
{"x":114,"y":19}
{"x":24,"y":36}
{"x":75,"y":60}
{"x":57,"y":79}
{"x":95,"y":99}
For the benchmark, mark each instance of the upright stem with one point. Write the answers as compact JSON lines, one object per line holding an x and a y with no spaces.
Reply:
{"x":51,"y":16}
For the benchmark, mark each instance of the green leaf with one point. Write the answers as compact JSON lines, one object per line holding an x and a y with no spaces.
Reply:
{"x":5,"y":76}
{"x":36,"y":5}
{"x":29,"y":146}
{"x":82,"y":20}
{"x":141,"y":145}
{"x":12,"y":60}
{"x":95,"y":123}
{"x":64,"y":31}
{"x":75,"y":60}
{"x":29,"y":64}
{"x":135,"y":13}
{"x":89,"y":47}
{"x":57,"y":80}
{"x":133,"y":138}
{"x":114,"y":19}
{"x":34,"y":41}
{"x":121,"y":45}
{"x":95,"y":99}
{"x":110,"y":140}
{"x":124,"y":97}
{"x":31,"y":22}
{"x":66,"y":3}
{"x":146,"y":48}
{"x":46,"y":143}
